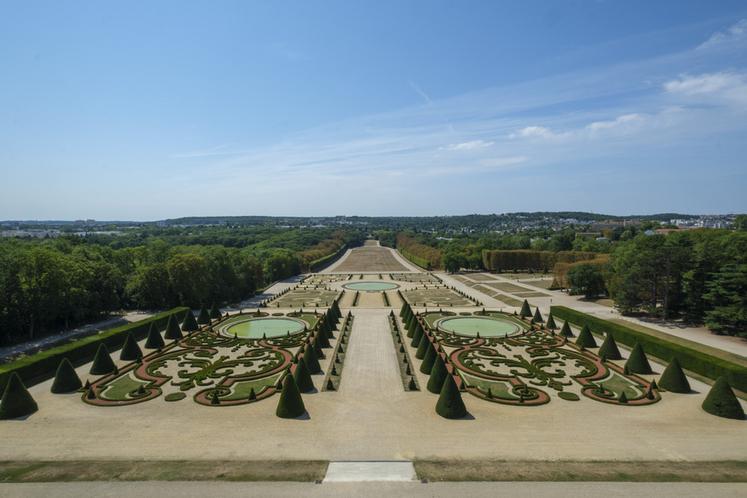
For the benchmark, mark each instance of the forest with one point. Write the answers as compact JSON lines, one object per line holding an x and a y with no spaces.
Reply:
{"x":50,"y":284}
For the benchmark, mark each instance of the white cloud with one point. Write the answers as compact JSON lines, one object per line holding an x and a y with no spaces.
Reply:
{"x":624,"y":120}
{"x":535,"y":132}
{"x":471,"y":145}
{"x":723,"y":85}
{"x":737,"y":33}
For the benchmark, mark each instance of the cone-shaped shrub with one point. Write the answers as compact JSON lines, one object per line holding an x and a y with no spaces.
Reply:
{"x":566,"y":330}
{"x":637,"y":362}
{"x":438,"y":375}
{"x":204,"y":317}
{"x":609,"y":350}
{"x":312,"y":362}
{"x":722,"y":402}
{"x":450,"y":404}
{"x":290,"y":404}
{"x":585,"y":339}
{"x":525,"y":311}
{"x":419,"y":333}
{"x":303,"y":377}
{"x":422,"y":347}
{"x":66,"y":380}
{"x":623,"y":398}
{"x":551,"y":322}
{"x":673,"y":378}
{"x":130,"y":350}
{"x":154,"y":340}
{"x":428,"y":359}
{"x":402,"y":310}
{"x":173,"y":331}
{"x":189,"y":324}
{"x":322,"y":339}
{"x":537,"y":318}
{"x":16,"y":401}
{"x":214,"y":312}
{"x":102,"y":362}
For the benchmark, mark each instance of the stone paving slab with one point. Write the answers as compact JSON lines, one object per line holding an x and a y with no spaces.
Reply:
{"x":370,"y":471}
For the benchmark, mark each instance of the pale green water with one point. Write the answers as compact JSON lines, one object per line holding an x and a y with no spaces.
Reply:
{"x":371,"y":286}
{"x":471,"y":325}
{"x":270,"y":327}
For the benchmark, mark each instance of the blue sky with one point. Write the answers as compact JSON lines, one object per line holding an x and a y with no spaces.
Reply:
{"x":148,"y":110}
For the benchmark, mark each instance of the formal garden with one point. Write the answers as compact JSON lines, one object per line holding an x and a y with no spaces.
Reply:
{"x":523,"y":360}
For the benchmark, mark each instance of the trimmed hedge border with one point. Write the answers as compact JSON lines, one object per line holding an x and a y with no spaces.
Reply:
{"x":691,"y":359}
{"x":324,"y":261}
{"x":43,"y":365}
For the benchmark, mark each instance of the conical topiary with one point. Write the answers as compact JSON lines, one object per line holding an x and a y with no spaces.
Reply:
{"x":566,"y":330}
{"x":551,"y":322}
{"x":673,"y":378}
{"x":303,"y":377}
{"x":416,"y":336}
{"x":525,"y":311}
{"x":130,"y":350}
{"x":154,"y":339}
{"x":623,"y":398}
{"x":204,"y":317}
{"x":66,"y":380}
{"x":537,"y":318}
{"x":173,"y":331}
{"x":637,"y":362}
{"x":102,"y":362}
{"x":422,"y":347}
{"x":450,"y":404}
{"x":428,"y":359}
{"x":189,"y":324}
{"x":722,"y":402}
{"x":438,"y":375}
{"x":215,"y":312}
{"x":585,"y":339}
{"x":608,"y":350}
{"x":290,"y":404}
{"x":16,"y":401}
{"x":312,"y":362}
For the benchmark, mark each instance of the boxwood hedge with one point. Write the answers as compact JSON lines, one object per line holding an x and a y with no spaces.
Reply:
{"x":689,"y":357}
{"x":43,"y":365}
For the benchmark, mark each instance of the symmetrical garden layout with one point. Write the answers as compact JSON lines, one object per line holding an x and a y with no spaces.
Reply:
{"x":502,"y":359}
{"x":221,"y":365}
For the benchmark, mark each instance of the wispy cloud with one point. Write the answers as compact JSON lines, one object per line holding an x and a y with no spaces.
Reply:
{"x":734,"y":34}
{"x":730,"y":86}
{"x":470,"y":145}
{"x":597,"y":115}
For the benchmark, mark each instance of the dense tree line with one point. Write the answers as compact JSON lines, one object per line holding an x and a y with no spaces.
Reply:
{"x":48,"y":284}
{"x":700,"y":275}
